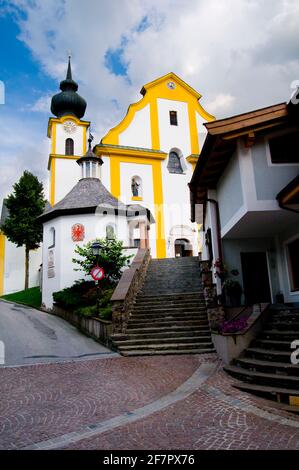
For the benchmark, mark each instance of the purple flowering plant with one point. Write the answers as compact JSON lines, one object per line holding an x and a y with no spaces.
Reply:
{"x":234,"y":326}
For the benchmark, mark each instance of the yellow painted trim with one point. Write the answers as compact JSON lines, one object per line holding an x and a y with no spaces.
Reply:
{"x":115,"y":189}
{"x":155,"y":125}
{"x":62,"y":157}
{"x":63,"y":119}
{"x":51,"y":167}
{"x":170,"y":77}
{"x":53,"y":146}
{"x":124,"y":152}
{"x":193,"y":160}
{"x":112,"y":137}
{"x":52,"y":181}
{"x":2,"y":262}
{"x":84,"y":141}
{"x":136,"y":198}
{"x":193,"y":129}
{"x":152,"y":92}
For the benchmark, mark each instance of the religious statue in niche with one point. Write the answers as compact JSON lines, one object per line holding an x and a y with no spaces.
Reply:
{"x":135,"y":186}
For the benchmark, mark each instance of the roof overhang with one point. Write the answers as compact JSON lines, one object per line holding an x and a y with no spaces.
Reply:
{"x":288,"y":197}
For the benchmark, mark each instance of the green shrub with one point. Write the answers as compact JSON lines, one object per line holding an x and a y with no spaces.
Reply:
{"x":82,"y":299}
{"x":89,"y":311}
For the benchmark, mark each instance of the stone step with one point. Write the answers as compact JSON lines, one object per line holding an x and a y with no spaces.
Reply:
{"x":174,"y":296}
{"x":167,"y":312}
{"x":169,"y":319}
{"x":268,"y":354}
{"x":268,"y":366}
{"x":169,"y":315}
{"x":165,"y":329}
{"x":272,"y":344}
{"x":284,"y":326}
{"x":166,"y":352}
{"x":167,"y":340}
{"x":263,"y":378}
{"x":161,"y":346}
{"x":280,"y":334}
{"x":168,"y":335}
{"x":156,"y":310}
{"x":170,"y":305}
{"x":264,"y":390}
{"x":195,"y":323}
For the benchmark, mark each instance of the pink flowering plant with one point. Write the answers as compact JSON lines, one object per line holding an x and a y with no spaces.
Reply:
{"x":233,"y":326}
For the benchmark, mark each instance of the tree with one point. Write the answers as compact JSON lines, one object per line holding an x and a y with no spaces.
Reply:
{"x":24,"y":205}
{"x":111,"y":258}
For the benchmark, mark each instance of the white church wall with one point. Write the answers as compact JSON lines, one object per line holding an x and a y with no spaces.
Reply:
{"x":64,"y":250}
{"x":68,"y":174}
{"x":138,"y":133}
{"x":14,"y":267}
{"x":105,"y":172}
{"x":143,"y":171}
{"x":201,"y":129}
{"x":174,"y":136}
{"x":177,"y":207}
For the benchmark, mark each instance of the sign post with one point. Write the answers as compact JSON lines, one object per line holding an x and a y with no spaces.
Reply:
{"x":97,"y":273}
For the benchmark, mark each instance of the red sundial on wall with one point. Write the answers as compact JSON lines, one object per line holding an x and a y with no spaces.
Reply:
{"x":78,"y":232}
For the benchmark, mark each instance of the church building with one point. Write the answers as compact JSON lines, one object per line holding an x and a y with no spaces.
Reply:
{"x":140,"y":169}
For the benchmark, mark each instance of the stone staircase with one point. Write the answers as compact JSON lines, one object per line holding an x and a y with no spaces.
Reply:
{"x":265,"y":368}
{"x":169,"y":314}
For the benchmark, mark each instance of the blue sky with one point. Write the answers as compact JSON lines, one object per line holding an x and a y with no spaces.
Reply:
{"x":238,"y":61}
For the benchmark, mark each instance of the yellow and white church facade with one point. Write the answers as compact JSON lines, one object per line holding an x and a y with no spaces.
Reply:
{"x":147,"y":160}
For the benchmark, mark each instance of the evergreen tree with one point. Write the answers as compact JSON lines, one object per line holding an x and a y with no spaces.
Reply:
{"x":24,"y":205}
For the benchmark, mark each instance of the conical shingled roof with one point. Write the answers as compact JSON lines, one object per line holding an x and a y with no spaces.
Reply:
{"x":85,"y":197}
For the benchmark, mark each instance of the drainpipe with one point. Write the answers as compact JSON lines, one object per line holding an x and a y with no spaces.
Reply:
{"x":218,"y":228}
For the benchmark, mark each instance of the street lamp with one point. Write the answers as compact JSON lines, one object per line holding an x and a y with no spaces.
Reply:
{"x":96,"y":250}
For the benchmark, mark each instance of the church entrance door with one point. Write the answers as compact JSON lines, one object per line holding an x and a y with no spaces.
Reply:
{"x":182,"y":248}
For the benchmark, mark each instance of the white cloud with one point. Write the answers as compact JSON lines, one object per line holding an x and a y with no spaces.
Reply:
{"x":42,"y":105}
{"x":221,"y":103}
{"x":239,"y":54}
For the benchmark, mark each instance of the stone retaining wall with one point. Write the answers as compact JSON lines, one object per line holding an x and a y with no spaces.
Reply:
{"x":130,"y":283}
{"x":97,"y":328}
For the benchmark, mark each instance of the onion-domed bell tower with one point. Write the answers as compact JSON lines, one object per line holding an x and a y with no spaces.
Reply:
{"x":67,"y":132}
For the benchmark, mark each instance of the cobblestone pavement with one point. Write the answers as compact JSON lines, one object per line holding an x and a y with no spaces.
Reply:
{"x":164,"y":402}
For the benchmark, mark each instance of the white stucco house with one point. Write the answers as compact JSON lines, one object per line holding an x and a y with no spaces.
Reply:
{"x":245,"y":193}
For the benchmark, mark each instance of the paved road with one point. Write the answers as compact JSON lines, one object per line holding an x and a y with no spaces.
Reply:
{"x":31,"y":336}
{"x":163,"y":402}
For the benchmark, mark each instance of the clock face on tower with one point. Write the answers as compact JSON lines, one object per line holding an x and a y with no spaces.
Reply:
{"x":70,"y":127}
{"x":171,"y":85}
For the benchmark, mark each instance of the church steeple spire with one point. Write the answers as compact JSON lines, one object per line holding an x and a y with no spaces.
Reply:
{"x":68,"y":101}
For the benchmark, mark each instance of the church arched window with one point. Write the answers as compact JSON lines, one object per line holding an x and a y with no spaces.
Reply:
{"x":69,"y":147}
{"x":136,"y":187}
{"x":174,"y":163}
{"x":52,"y":237}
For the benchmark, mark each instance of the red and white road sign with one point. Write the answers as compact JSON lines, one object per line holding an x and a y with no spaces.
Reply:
{"x":97,"y":273}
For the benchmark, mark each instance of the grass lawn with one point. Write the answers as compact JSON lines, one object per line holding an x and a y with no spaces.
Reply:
{"x":32,"y":297}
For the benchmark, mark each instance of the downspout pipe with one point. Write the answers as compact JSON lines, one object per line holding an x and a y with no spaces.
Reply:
{"x":218,"y":228}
